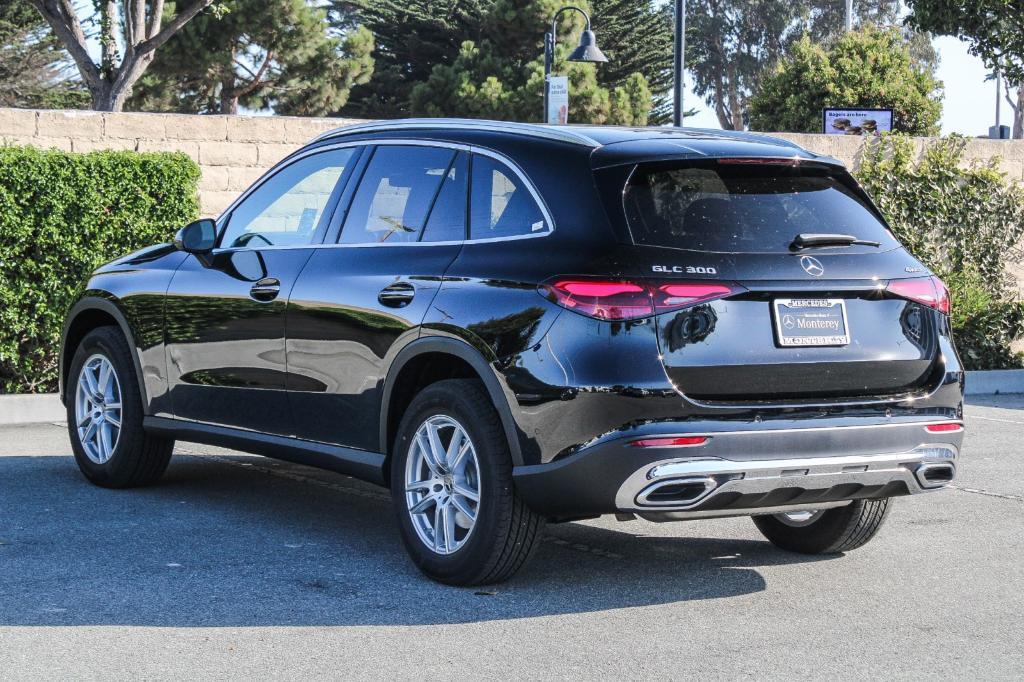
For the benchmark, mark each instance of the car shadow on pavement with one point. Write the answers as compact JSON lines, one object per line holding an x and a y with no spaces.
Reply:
{"x":229,"y":540}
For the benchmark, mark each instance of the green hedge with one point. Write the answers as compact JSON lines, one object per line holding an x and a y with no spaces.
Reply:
{"x":62,"y":215}
{"x":965,"y":222}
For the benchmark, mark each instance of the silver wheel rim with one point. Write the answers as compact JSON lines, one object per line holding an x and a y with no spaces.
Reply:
{"x":800,"y":518}
{"x":442,"y":484}
{"x":98,"y":409}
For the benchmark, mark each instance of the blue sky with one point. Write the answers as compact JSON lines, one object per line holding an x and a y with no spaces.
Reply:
{"x":968,"y":105}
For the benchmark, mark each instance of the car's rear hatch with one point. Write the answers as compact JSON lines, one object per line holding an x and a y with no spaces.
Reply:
{"x":769,"y":320}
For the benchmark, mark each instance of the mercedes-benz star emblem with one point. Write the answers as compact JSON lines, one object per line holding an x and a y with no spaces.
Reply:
{"x":812,"y":266}
{"x":788,"y":322}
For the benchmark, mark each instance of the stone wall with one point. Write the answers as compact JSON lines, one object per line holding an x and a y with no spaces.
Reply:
{"x":234,"y":150}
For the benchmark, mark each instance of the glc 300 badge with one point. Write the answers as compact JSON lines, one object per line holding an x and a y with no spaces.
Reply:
{"x":812,"y":266}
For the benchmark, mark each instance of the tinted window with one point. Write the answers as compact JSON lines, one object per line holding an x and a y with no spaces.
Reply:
{"x":447,"y":221}
{"x":286,"y":209}
{"x":745,"y":208}
{"x":501,"y":205}
{"x":396,"y":192}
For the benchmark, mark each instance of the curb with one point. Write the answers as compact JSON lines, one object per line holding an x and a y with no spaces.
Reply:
{"x":46,"y":407}
{"x":31,"y":409}
{"x":994,"y":382}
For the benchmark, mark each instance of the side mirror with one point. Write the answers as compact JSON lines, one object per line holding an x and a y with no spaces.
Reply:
{"x":197,"y":237}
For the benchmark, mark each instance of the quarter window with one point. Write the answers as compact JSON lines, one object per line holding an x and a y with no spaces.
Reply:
{"x":286,"y":209}
{"x":501,"y":204}
{"x":395,"y":194}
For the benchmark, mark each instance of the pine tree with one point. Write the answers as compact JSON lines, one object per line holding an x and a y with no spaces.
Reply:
{"x":32,"y":63}
{"x":258,"y":54}
{"x":484,"y":58}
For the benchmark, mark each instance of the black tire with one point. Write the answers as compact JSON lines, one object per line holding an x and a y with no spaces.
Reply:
{"x":833,"y":532}
{"x":506,"y":532}
{"x":137,"y":458}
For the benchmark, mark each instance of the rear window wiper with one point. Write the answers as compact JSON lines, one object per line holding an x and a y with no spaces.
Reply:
{"x":809,"y":241}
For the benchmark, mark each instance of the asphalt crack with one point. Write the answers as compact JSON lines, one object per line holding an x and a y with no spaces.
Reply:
{"x":988,"y":493}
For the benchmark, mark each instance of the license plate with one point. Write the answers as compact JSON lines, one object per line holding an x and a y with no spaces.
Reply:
{"x":811,"y":322}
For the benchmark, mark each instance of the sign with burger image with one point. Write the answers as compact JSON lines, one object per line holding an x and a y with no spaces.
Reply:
{"x":856,"y":121}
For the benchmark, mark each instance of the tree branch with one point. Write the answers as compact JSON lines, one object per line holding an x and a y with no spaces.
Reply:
{"x":61,"y":17}
{"x":257,"y":77}
{"x":156,"y":16}
{"x":180,"y":19}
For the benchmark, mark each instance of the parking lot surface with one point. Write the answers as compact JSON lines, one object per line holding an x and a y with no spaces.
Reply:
{"x":240,"y":567}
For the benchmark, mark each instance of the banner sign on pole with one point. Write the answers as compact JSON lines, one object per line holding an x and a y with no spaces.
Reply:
{"x":558,"y":99}
{"x":856,"y":121}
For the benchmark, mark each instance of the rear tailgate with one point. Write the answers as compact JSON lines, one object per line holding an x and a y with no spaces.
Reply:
{"x":797,"y":323}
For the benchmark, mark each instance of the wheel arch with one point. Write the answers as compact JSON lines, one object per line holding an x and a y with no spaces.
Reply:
{"x":430,"y":359}
{"x":84,"y":316}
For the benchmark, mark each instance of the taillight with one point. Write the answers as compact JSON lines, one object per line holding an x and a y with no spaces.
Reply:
{"x":929,"y":291}
{"x":629,"y":300}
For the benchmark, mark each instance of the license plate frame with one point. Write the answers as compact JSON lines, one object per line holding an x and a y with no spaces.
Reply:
{"x":794,"y":316}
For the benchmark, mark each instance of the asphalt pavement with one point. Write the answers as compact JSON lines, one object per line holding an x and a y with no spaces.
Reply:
{"x":236,"y":566}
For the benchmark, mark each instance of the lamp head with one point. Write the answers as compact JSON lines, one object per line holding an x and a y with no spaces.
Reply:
{"x":588,"y":51}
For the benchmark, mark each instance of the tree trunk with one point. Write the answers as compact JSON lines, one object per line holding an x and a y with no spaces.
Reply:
{"x":1018,"y":114}
{"x":228,"y":97}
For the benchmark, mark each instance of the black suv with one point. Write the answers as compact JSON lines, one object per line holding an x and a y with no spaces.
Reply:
{"x":509,"y":324}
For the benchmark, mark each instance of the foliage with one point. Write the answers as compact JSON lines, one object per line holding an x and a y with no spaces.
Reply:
{"x":32,"y":62}
{"x":61,"y":216}
{"x":732,"y":44}
{"x":259,"y":54}
{"x":994,"y":29}
{"x":485,"y":58}
{"x":869,"y":68}
{"x":966,"y":225}
{"x":136,"y":27}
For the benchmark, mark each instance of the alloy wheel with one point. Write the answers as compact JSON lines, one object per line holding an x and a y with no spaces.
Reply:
{"x":98,"y":409}
{"x":442,"y":484}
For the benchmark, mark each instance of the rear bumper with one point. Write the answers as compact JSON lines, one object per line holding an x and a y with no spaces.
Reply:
{"x":746,"y":471}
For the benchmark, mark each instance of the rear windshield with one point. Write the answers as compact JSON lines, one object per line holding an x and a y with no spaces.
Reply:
{"x":745,"y":208}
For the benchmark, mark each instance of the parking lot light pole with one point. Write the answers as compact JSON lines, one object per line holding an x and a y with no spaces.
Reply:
{"x":679,"y":63}
{"x":587,"y":51}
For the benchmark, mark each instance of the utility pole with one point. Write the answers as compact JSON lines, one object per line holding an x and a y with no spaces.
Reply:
{"x":999,"y":87}
{"x":680,"y":63}
{"x":849,"y":15}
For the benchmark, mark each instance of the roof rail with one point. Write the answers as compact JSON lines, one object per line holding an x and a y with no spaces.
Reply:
{"x":557,"y":133}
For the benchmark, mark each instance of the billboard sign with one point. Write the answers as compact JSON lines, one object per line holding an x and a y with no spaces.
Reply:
{"x":856,"y":121}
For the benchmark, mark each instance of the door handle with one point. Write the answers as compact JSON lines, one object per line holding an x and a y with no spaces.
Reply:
{"x":397,"y":295}
{"x":266,"y":289}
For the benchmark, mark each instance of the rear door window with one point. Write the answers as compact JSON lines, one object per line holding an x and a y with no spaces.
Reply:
{"x":447,"y":221}
{"x":395,"y":194}
{"x":746,"y":207}
{"x":501,"y":204}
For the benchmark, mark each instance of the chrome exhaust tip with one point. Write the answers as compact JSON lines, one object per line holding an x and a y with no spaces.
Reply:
{"x":676,"y":492}
{"x":935,"y":474}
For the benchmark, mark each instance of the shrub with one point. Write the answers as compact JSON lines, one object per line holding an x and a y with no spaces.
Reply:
{"x":61,"y":216}
{"x":965,"y":223}
{"x":869,"y":68}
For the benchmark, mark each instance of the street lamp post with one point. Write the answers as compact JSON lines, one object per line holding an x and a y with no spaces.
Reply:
{"x":587,"y":51}
{"x":680,"y":56}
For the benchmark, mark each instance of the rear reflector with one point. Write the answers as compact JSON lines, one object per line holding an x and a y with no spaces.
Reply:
{"x":929,"y":291}
{"x":671,"y":442}
{"x":944,"y":428}
{"x":630,"y":300}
